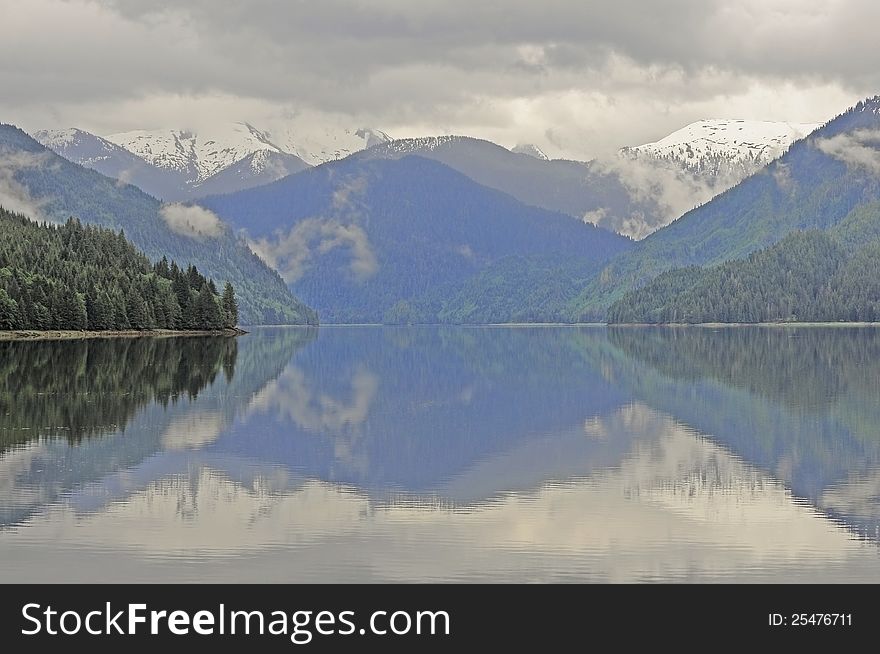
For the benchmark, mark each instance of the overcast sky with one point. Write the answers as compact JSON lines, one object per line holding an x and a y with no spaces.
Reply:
{"x":578,"y":77}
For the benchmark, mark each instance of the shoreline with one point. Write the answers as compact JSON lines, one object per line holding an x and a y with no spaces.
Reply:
{"x":744,"y":324}
{"x":601,"y":324}
{"x":62,"y":334}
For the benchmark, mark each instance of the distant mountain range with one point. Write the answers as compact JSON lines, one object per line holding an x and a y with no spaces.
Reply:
{"x":369,"y":239}
{"x":177,"y":165}
{"x":723,"y":149}
{"x":635,"y":193}
{"x":694,"y":164}
{"x":458,"y":229}
{"x":42,"y":185}
{"x":588,"y":191}
{"x":822,"y":181}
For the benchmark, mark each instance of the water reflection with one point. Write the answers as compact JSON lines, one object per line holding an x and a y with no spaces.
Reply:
{"x":803,"y":403}
{"x":119,"y":402}
{"x":84,"y":388}
{"x":441,"y":454}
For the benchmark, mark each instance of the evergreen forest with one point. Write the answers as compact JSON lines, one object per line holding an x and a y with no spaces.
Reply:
{"x":82,"y":277}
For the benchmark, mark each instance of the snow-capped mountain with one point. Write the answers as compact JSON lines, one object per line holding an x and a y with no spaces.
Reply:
{"x":174,"y":164}
{"x":198,"y":156}
{"x":319,"y":144}
{"x":721,"y":147}
{"x":111,"y":160}
{"x":86,"y":147}
{"x":694,"y":164}
{"x":421,"y":145}
{"x":179,"y":165}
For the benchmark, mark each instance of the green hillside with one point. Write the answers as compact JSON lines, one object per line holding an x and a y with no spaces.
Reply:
{"x":816,"y":185}
{"x":56,"y":189}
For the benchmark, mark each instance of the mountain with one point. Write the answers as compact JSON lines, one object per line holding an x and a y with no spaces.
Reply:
{"x":588,"y":191}
{"x":38,"y":183}
{"x":197,"y":158}
{"x":641,"y":190}
{"x":258,"y":168}
{"x":175,"y":165}
{"x":317,"y":144}
{"x":391,"y":240}
{"x":694,"y":164}
{"x":112,"y":160}
{"x":723,"y":151}
{"x":806,"y":277}
{"x":818,"y":183}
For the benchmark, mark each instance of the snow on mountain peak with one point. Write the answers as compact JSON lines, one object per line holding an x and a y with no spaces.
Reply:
{"x":198,"y":156}
{"x":531,"y":150}
{"x":319,"y":144}
{"x":55,"y":139}
{"x":79,"y":146}
{"x":418,"y":144}
{"x":179,"y":163}
{"x":707,"y":145}
{"x":372,"y":137}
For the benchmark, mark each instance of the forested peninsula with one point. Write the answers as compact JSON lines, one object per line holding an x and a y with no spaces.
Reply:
{"x":81,"y":278}
{"x":809,"y":276}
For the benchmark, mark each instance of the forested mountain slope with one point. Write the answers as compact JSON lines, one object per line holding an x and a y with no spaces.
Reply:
{"x":393,"y":240}
{"x":81,"y":277}
{"x":45,"y":186}
{"x":817,"y":184}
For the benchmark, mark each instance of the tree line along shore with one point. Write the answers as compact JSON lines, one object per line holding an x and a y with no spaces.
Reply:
{"x":74,"y":279}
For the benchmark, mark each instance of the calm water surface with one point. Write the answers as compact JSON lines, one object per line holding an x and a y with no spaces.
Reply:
{"x":444,"y":454}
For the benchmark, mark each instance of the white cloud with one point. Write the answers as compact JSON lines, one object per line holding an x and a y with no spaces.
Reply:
{"x":14,"y":196}
{"x":292,"y":252}
{"x":192,"y":221}
{"x":595,"y":216}
{"x":579,"y":79}
{"x":663,"y":186}
{"x":860,"y":149}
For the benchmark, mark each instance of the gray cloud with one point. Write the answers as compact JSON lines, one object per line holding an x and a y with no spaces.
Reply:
{"x":578,"y":78}
{"x":14,"y":196}
{"x":782,"y":175}
{"x":290,"y":253}
{"x":124,"y":177}
{"x":661,"y":185}
{"x":860,"y":149}
{"x":193,"y":221}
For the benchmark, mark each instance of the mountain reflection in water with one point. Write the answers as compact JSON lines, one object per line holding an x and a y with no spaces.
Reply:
{"x":437,"y":454}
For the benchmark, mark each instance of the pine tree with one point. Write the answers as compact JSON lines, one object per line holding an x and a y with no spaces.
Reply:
{"x":82,"y":277}
{"x":136,"y":309}
{"x":207,"y":310}
{"x":230,"y":307}
{"x":79,"y":316}
{"x":100,"y":311}
{"x":9,"y":318}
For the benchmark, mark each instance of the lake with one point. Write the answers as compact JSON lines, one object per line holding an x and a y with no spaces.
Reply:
{"x":535,"y":454}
